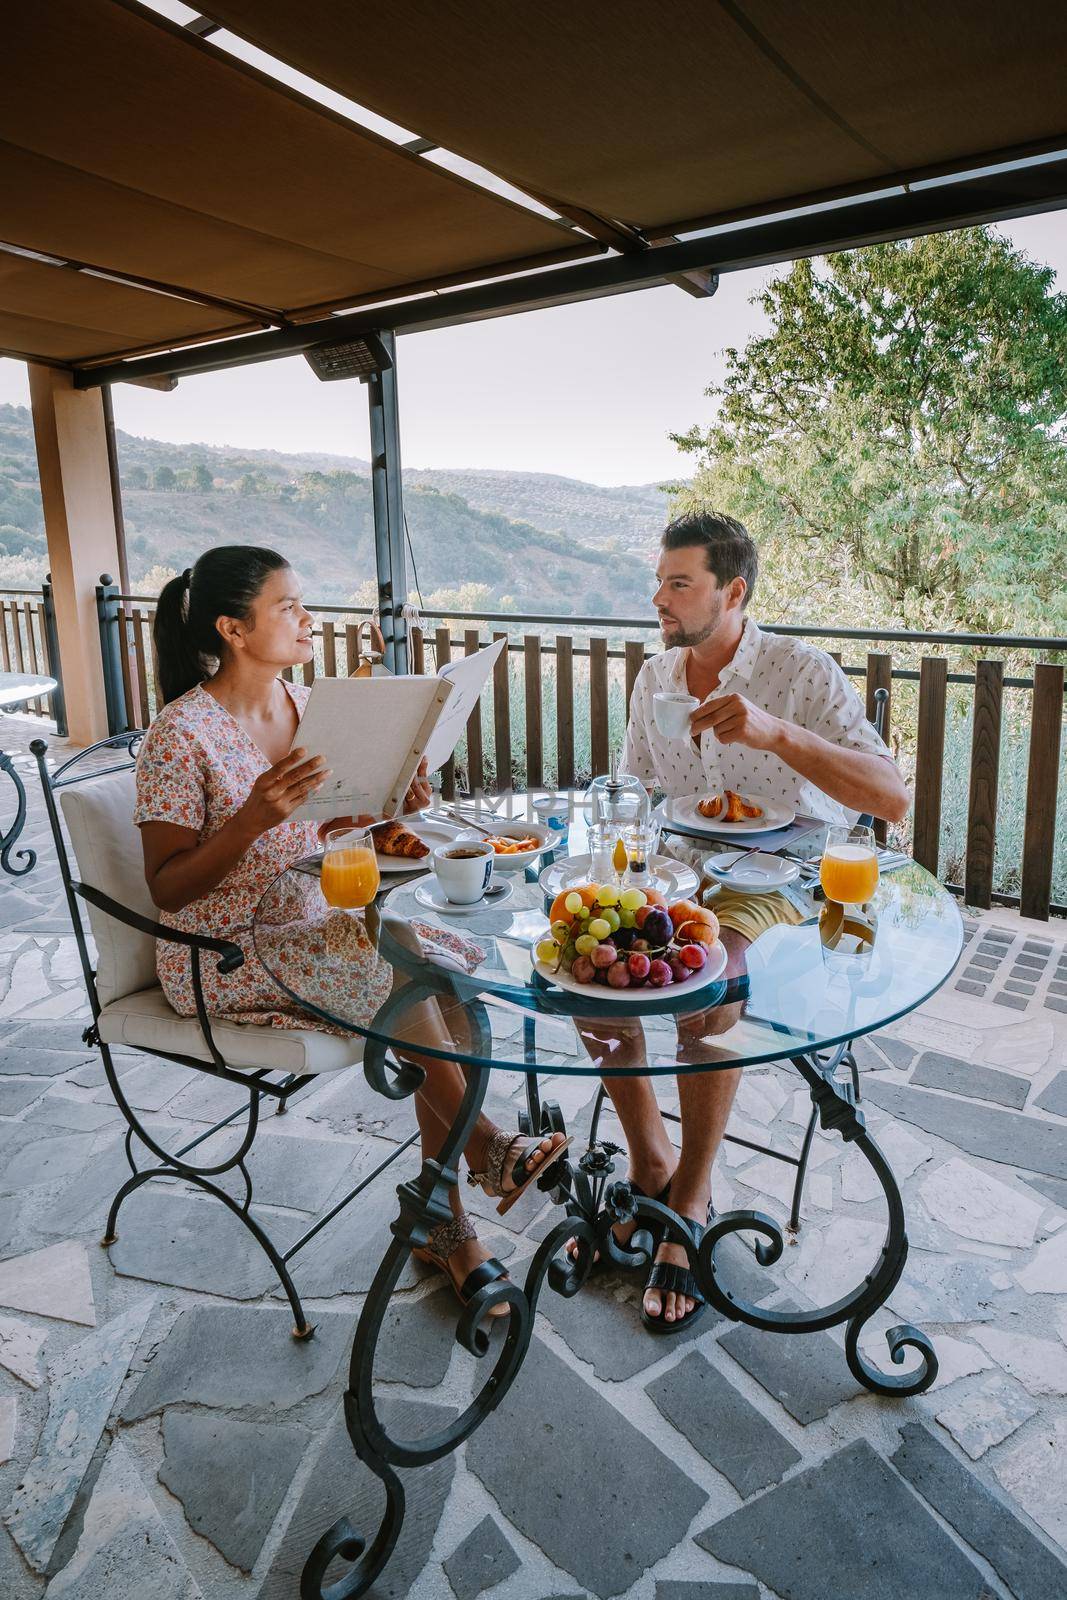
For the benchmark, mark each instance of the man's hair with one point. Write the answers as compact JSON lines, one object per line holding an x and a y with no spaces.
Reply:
{"x":728,"y":546}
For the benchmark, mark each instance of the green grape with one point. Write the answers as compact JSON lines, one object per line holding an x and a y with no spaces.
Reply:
{"x":584,"y":943}
{"x":599,"y":928}
{"x":632,"y":900}
{"x":547,"y":951}
{"x":612,"y":919}
{"x":584,"y":914}
{"x":627,"y":919}
{"x":607,"y":896}
{"x":573,"y":903}
{"x":561,"y":931}
{"x":568,"y":961}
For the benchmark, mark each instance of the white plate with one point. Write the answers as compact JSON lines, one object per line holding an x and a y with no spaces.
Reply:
{"x":759,"y":874}
{"x":713,"y":968}
{"x":672,"y":878}
{"x":431,"y":833}
{"x":775,"y":815}
{"x":430,"y":894}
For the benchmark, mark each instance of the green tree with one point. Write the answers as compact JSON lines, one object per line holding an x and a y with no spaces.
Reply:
{"x":135,"y":478}
{"x":163,"y":478}
{"x":203,"y":483}
{"x":897,"y":434}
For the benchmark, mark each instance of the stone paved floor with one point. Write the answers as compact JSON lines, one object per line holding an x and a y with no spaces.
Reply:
{"x":161,"y":1435}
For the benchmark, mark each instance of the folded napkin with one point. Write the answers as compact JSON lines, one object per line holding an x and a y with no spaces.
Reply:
{"x":440,"y":946}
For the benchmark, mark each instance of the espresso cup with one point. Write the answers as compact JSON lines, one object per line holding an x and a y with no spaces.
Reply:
{"x":672,"y":713}
{"x":464,"y":870}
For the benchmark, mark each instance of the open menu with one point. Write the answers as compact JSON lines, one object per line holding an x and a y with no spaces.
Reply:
{"x":468,"y":677}
{"x":372,"y":734}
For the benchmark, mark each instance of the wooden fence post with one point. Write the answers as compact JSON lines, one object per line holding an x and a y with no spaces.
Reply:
{"x":1042,"y":782}
{"x":985,"y":768}
{"x":929,"y":762}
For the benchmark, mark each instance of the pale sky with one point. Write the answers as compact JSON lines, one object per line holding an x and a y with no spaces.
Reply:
{"x":588,"y":391}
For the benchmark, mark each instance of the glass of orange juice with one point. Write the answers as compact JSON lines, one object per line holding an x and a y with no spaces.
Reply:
{"x":350,"y":876}
{"x":848,"y":871}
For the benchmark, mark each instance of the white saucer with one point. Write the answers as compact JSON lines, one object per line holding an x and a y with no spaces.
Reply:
{"x":759,"y":874}
{"x":430,"y":894}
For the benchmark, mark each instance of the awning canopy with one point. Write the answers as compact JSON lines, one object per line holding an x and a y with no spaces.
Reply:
{"x":129,"y":144}
{"x":227,"y":203}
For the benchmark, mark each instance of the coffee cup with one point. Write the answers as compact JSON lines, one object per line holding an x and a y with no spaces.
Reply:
{"x":464,"y":870}
{"x":672,"y":712}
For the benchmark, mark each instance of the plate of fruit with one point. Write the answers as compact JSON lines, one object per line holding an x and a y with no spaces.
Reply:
{"x":627,"y":944}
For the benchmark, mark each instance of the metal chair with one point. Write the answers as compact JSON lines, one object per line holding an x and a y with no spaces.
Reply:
{"x":129,"y":1007}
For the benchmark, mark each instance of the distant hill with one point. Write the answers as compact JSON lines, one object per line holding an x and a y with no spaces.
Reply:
{"x":533,"y":540}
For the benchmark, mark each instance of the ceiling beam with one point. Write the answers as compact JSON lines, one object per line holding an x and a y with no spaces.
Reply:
{"x":991,"y":198}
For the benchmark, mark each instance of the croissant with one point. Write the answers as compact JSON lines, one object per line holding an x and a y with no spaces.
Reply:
{"x":395,"y":840}
{"x":738,"y":809}
{"x":711,"y":807}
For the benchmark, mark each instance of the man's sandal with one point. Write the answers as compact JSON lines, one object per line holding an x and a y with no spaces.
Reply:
{"x":668,"y":1278}
{"x":604,"y":1264}
{"x":443,"y":1242}
{"x":520,"y":1174}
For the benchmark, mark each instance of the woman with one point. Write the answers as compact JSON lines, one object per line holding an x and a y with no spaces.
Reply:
{"x":217,"y":784}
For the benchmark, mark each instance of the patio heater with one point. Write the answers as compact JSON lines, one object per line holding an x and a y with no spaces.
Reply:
{"x":370,"y":357}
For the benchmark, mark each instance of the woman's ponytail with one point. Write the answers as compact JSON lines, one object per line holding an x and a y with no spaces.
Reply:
{"x":223,"y":583}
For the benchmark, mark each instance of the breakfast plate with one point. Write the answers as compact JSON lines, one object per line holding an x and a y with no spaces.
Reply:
{"x":684,"y":812}
{"x":754,"y":874}
{"x":432,"y":834}
{"x":713,"y":968}
{"x":673,"y":879}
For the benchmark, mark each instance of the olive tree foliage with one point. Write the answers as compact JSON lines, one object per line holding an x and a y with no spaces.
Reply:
{"x":896,"y":438}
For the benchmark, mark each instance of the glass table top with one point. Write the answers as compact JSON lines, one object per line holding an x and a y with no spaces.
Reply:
{"x":813,"y":976}
{"x":18,"y":687}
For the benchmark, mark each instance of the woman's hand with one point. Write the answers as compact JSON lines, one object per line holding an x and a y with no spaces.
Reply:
{"x":420,"y":791}
{"x":277,"y":792}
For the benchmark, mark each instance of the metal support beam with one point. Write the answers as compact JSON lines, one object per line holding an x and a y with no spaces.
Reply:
{"x":389,"y":543}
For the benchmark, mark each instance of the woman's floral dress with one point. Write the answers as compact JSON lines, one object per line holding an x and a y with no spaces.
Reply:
{"x":196,"y":768}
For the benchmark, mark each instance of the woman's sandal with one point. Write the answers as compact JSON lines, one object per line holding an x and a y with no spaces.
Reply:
{"x":443,"y":1242}
{"x":668,"y":1278}
{"x":496,"y":1152}
{"x":602,"y":1264}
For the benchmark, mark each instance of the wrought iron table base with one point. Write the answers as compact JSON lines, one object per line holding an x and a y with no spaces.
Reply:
{"x":593,"y":1202}
{"x":8,"y":839}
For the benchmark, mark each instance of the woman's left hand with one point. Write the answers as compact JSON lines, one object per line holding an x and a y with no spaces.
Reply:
{"x":420,"y":792}
{"x":344,"y":822}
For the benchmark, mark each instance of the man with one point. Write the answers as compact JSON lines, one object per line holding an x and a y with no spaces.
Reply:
{"x":777,"y":717}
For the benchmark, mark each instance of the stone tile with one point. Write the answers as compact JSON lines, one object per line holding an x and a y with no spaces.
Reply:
{"x":832,"y":1261}
{"x":1026,"y":959}
{"x":904,"y":1152}
{"x":1039,"y":947}
{"x":986,"y":962}
{"x":83,"y":1385}
{"x":957,"y":1358}
{"x":152,"y":1086}
{"x":288,"y":1170}
{"x":1029,"y":1567}
{"x":230,"y":1476}
{"x":8,"y":1421}
{"x":936,"y":1071}
{"x":899,"y":1052}
{"x":1013,"y":986}
{"x":1057,"y":986}
{"x":16,"y":1094}
{"x":555,"y":1414}
{"x":340,"y":1486}
{"x":1034,"y":1472}
{"x":1053,"y":1003}
{"x":1017,"y":1002}
{"x":855,"y":1522}
{"x":718,"y":1421}
{"x":1053,"y":1096}
{"x":1007,"y":1136}
{"x":32,"y":1156}
{"x":484,"y":1559}
{"x":352,"y":1106}
{"x":21,"y":1059}
{"x":1039,"y":1364}
{"x":20,"y":1345}
{"x":986,"y":1416}
{"x":1021,"y":1046}
{"x":1047,"y":1272}
{"x":53,"y":1282}
{"x":1055,"y":1189}
{"x":123,"y":1548}
{"x":91,"y":1074}
{"x":80,"y":1116}
{"x":760,"y":1097}
{"x":675,"y":1590}
{"x":344,"y":1257}
{"x":196,"y":1244}
{"x":977,"y":1206}
{"x":204,"y":1360}
{"x":965,"y":986}
{"x":806,"y":1372}
{"x":944,"y":1289}
{"x":417,"y":1340}
{"x":601,"y":1325}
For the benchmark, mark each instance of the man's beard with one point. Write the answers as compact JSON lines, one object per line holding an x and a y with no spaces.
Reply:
{"x":680,"y":640}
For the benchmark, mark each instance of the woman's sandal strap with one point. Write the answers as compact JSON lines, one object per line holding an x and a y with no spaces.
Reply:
{"x":672,"y":1279}
{"x":484,"y":1273}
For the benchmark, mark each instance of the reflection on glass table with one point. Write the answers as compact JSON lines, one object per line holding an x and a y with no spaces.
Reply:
{"x":18,"y":689}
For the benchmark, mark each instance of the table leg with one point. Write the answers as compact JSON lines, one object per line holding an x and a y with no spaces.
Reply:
{"x":423,"y":1205}
{"x":7,"y":840}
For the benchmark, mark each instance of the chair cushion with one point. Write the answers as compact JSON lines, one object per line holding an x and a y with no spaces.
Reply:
{"x":147,"y":1022}
{"x":107,"y":848}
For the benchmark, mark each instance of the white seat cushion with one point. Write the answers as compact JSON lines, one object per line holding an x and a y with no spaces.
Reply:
{"x":107,"y":848}
{"x":147,"y":1021}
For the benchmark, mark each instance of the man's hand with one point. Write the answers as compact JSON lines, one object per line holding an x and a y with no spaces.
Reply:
{"x":735,"y":720}
{"x":420,"y":792}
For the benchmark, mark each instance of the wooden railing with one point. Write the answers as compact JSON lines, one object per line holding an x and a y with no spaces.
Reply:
{"x":561,"y":690}
{"x":24,"y":641}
